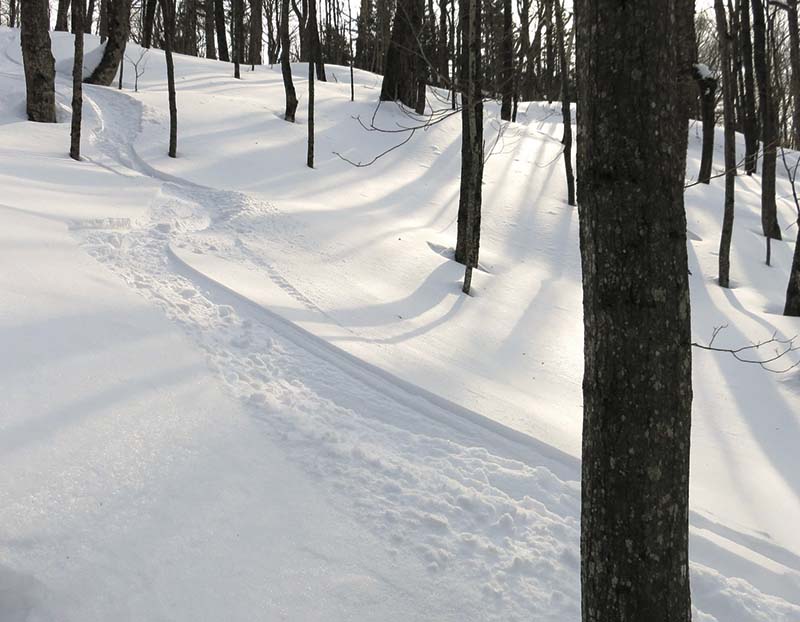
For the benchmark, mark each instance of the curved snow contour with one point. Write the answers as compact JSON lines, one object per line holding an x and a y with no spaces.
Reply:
{"x":466,"y":501}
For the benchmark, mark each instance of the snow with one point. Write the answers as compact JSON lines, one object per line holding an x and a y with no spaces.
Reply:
{"x":237,"y":387}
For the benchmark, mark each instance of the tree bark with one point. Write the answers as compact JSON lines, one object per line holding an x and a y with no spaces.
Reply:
{"x":286,"y":67}
{"x":40,"y":71}
{"x":62,"y":13}
{"x":507,"y":79}
{"x":310,"y":150}
{"x":189,"y":34}
{"x":566,"y":112}
{"x":256,"y":32}
{"x":78,"y":15}
{"x":792,"y":306}
{"x":222,"y":40}
{"x":237,"y":16}
{"x":633,"y":62}
{"x":749,"y":102}
{"x":769,"y":134}
{"x":470,"y":196}
{"x":168,"y":15}
{"x":794,"y":55}
{"x":12,"y":14}
{"x":211,"y":48}
{"x":728,"y":94}
{"x":400,"y":74}
{"x":119,"y":24}
{"x":707,"y":85}
{"x":148,"y":22}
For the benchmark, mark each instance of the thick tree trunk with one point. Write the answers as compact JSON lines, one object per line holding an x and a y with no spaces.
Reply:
{"x":363,"y":35}
{"x":286,"y":67}
{"x":769,"y":134}
{"x":507,"y":79}
{"x":78,"y":15}
{"x":400,"y":75}
{"x":211,"y":47}
{"x":119,"y":23}
{"x":256,"y":32}
{"x":566,"y":112}
{"x":470,"y":196}
{"x":62,"y":12}
{"x":189,"y":28}
{"x":633,"y":128}
{"x":148,"y":22}
{"x":40,"y":71}
{"x":168,"y":15}
{"x":222,"y":40}
{"x":792,"y":306}
{"x":728,"y":94}
{"x":707,"y":85}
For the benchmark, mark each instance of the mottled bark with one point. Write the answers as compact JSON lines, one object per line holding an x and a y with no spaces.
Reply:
{"x":286,"y":67}
{"x":119,"y":18}
{"x":633,"y":64}
{"x":78,"y":15}
{"x":470,"y":195}
{"x":792,"y":306}
{"x":728,"y":94}
{"x":40,"y":72}
{"x":401,"y":74}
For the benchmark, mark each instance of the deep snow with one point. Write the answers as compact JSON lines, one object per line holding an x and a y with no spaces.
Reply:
{"x":300,"y":416}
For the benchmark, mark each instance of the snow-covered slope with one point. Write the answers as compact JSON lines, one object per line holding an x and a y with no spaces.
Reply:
{"x":301,"y":416}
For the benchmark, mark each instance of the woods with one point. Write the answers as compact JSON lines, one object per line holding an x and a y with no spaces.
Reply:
{"x":645,"y":105}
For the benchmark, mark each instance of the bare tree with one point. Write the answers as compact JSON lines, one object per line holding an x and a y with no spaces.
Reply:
{"x":208,"y":24}
{"x":62,"y":12}
{"x":40,"y":71}
{"x":139,"y":64}
{"x":728,"y":95}
{"x":78,"y":15}
{"x":168,"y":15}
{"x":286,"y":67}
{"x":119,"y":18}
{"x":566,"y":112}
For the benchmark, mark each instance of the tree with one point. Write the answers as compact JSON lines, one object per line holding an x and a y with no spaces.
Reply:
{"x":507,"y":74}
{"x":286,"y":67}
{"x":794,"y":50}
{"x":750,"y":125}
{"x":310,"y":150}
{"x":470,"y":195}
{"x":119,"y":18}
{"x":78,"y":15}
{"x":401,"y":72}
{"x":147,"y":22}
{"x":633,"y":63}
{"x":707,"y":85}
{"x":61,"y":15}
{"x":237,"y":16}
{"x":222,"y":40}
{"x":566,"y":112}
{"x":40,"y":70}
{"x":208,"y":24}
{"x":256,"y":32}
{"x":769,"y":134}
{"x":728,"y":95}
{"x":168,"y":15}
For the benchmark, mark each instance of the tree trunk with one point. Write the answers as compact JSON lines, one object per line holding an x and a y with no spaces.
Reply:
{"x":61,"y":15}
{"x":507,"y":80}
{"x":222,"y":40}
{"x":728,"y":94}
{"x":103,"y":20}
{"x":769,"y":134}
{"x":148,"y":22}
{"x":168,"y":15}
{"x":707,"y":85}
{"x":286,"y":67}
{"x":749,"y":102}
{"x":40,"y":71}
{"x":400,"y":73}
{"x":78,"y":15}
{"x":256,"y":32}
{"x":470,"y":196}
{"x":314,"y":46}
{"x":633,"y":65}
{"x":119,"y":18}
{"x":12,"y":14}
{"x":566,"y":112}
{"x":792,"y":306}
{"x":189,"y":27}
{"x":794,"y":54}
{"x":211,"y":48}
{"x":310,"y":151}
{"x":237,"y":17}
{"x":87,"y":26}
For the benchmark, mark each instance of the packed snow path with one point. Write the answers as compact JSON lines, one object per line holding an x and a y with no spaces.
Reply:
{"x":312,"y":486}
